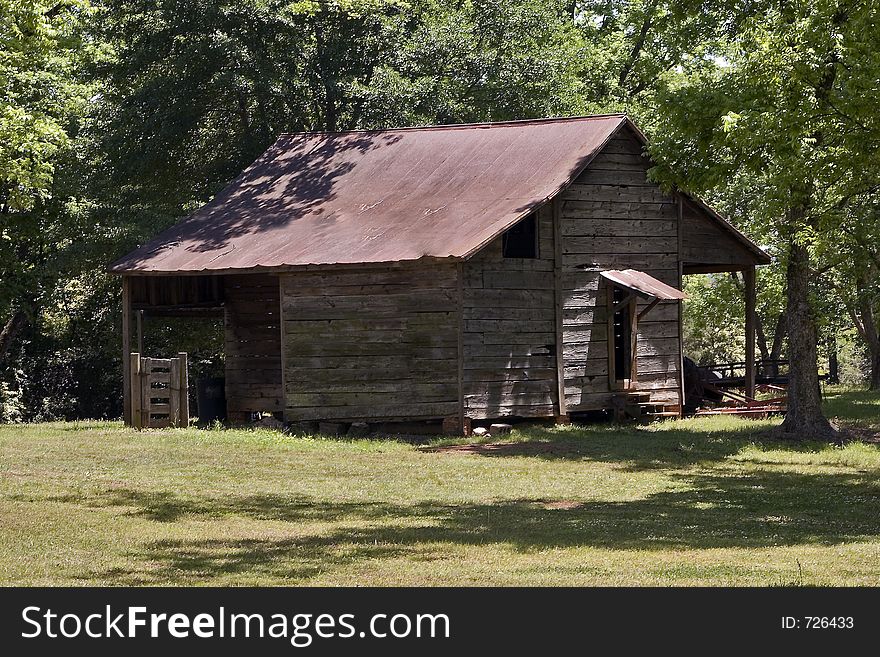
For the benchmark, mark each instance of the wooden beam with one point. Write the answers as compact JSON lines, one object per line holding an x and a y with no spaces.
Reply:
{"x":750,"y":293}
{"x":184,"y":389}
{"x":140,"y":331}
{"x":628,"y":299}
{"x":174,"y":394}
{"x":558,"y":306}
{"x":680,"y":305}
{"x":126,"y":350}
{"x":282,"y":346}
{"x":135,"y":386}
{"x":647,"y":309}
{"x":463,"y":424}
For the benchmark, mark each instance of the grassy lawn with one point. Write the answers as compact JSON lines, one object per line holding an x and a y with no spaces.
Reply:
{"x":702,"y":501}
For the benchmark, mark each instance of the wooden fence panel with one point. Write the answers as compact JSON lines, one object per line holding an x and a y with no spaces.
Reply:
{"x":159,"y":392}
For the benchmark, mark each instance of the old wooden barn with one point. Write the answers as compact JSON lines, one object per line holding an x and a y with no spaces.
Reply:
{"x":524,"y":269}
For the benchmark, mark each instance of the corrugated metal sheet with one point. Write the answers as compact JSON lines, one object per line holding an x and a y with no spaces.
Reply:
{"x":372,"y":197}
{"x":642,"y":283}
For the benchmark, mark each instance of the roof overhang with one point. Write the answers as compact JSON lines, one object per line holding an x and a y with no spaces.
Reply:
{"x":643,"y":284}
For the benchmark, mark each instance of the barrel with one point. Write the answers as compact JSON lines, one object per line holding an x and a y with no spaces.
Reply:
{"x":211,"y":399}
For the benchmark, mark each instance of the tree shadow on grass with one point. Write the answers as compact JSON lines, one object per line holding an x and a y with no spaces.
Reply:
{"x":633,"y":447}
{"x":760,"y":510}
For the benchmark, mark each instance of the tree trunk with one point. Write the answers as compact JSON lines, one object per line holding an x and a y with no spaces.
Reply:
{"x":875,"y":371}
{"x":804,"y":419}
{"x":867,"y":327}
{"x":12,"y":328}
{"x":833,"y":364}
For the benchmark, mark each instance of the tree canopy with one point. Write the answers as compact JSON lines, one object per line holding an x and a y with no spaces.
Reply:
{"x":118,"y":117}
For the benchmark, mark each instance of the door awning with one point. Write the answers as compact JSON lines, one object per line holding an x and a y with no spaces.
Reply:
{"x":643,"y":284}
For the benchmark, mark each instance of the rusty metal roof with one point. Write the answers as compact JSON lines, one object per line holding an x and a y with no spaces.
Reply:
{"x":642,"y":283}
{"x":377,"y":196}
{"x":382,"y":196}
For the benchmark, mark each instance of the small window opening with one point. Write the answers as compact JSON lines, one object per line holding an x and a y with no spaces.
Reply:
{"x":622,"y":328}
{"x":521,"y":240}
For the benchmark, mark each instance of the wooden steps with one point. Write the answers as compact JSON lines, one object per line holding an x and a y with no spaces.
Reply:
{"x":637,"y":405}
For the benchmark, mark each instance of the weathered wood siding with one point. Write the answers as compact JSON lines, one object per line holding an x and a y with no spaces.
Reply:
{"x":508,"y":331}
{"x":614,"y":218}
{"x":253,"y":344}
{"x":371,"y":344}
{"x":705,"y":243}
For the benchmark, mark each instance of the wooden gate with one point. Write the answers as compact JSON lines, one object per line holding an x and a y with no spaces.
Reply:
{"x":159,"y":392}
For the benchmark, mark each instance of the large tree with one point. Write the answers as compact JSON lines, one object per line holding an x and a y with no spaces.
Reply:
{"x":41,"y":97}
{"x":790,"y":105}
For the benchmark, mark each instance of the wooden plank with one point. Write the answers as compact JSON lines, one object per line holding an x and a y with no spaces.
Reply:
{"x":476,"y":344}
{"x":617,"y":176}
{"x":151,"y":364}
{"x":680,"y":307}
{"x":616,"y":193}
{"x":517,"y":280}
{"x":499,"y":412}
{"x":512,"y":373}
{"x":505,"y":298}
{"x":620,"y":245}
{"x":750,"y":294}
{"x":140,"y":331}
{"x":162,"y":378}
{"x":126,"y":351}
{"x":659,"y":346}
{"x":341,"y":385}
{"x":658,"y":209}
{"x":605,"y":158}
{"x":309,"y":379}
{"x":615,"y":228}
{"x":411,"y":278}
{"x":460,"y":356}
{"x":558,"y":305}
{"x":374,"y":412}
{"x":366,"y":398}
{"x":135,"y":391}
{"x":501,"y":312}
{"x":174,"y":393}
{"x":646,"y":262}
{"x":145,"y":394}
{"x":183,"y":405}
{"x":505,"y":362}
{"x":546,"y":386}
{"x":496,"y":399}
{"x":509,"y":326}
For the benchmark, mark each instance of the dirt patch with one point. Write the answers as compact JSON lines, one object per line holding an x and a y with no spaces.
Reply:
{"x":860,"y":434}
{"x":505,"y":449}
{"x":564,"y":505}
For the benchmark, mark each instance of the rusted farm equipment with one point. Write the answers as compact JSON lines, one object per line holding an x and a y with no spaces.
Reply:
{"x":721,"y":385}
{"x":159,"y":392}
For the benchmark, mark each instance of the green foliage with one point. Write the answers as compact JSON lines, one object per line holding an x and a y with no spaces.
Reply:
{"x":38,"y":48}
{"x":118,"y":117}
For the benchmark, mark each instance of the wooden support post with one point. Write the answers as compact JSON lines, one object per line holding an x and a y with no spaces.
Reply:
{"x":283,"y":338}
{"x":750,"y":292}
{"x":464,"y":423}
{"x":126,"y":350}
{"x":135,"y":383}
{"x":680,"y":304}
{"x":184,"y":390}
{"x":174,"y":393}
{"x":140,"y":331}
{"x":558,"y":305}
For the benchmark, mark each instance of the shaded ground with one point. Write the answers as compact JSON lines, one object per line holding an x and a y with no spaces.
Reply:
{"x":703,"y":501}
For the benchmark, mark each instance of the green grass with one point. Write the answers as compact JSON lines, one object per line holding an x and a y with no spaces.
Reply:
{"x":705,"y":501}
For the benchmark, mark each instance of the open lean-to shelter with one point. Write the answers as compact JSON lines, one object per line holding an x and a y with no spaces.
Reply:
{"x":526,"y":269}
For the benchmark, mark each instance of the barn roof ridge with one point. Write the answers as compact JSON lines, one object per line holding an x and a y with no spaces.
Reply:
{"x":459,"y":126}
